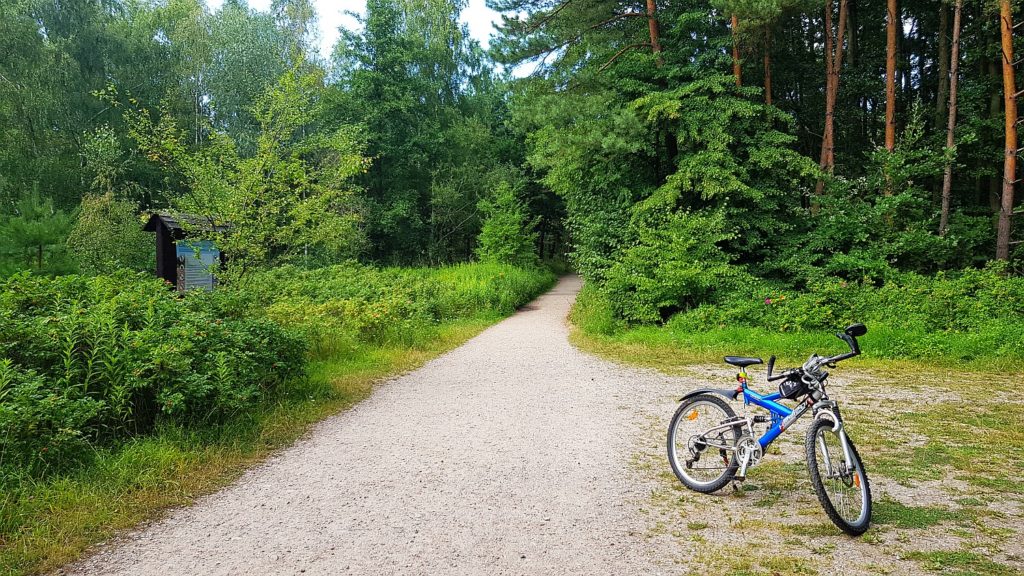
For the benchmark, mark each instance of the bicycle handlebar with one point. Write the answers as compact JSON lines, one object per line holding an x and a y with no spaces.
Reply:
{"x":849,"y":336}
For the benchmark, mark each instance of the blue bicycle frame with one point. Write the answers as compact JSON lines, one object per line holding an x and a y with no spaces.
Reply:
{"x":782,"y":416}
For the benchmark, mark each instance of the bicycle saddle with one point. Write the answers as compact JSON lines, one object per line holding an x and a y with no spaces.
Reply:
{"x":742,"y":361}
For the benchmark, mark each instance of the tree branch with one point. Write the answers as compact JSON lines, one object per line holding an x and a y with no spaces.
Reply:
{"x":548,"y":18}
{"x":618,"y":17}
{"x":622,"y":51}
{"x":548,"y":51}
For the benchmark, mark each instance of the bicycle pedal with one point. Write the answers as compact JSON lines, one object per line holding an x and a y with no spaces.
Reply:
{"x":760,"y":419}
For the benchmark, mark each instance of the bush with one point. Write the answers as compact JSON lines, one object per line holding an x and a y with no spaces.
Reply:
{"x":338,"y":308}
{"x":113,"y":356}
{"x":971,"y":301}
{"x":42,"y":428}
{"x":107,"y":236}
{"x":673,"y":264}
{"x":507,"y":235}
{"x":593,"y":313}
{"x":93,"y":360}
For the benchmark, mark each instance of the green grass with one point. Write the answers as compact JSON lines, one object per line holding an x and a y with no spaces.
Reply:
{"x":48,"y":522}
{"x":961,"y":563}
{"x":887,"y":511}
{"x":886,"y":344}
{"x":926,"y":424}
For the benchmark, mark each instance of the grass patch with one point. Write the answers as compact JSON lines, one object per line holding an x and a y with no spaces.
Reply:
{"x":890,"y":512}
{"x":978,"y":438}
{"x":961,"y":564}
{"x":929,"y":423}
{"x":957,"y":435}
{"x":690,"y":338}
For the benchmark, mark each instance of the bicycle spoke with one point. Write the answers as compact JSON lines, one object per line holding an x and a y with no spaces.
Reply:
{"x":843,"y":489}
{"x":692,"y":445}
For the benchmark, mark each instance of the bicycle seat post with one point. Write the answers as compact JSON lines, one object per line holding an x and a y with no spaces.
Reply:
{"x":742,"y":379}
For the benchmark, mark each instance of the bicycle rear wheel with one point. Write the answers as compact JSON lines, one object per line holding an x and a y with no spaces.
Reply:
{"x":696,"y":461}
{"x":842,"y":487}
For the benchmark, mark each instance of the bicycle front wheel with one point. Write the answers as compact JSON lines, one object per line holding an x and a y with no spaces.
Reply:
{"x":841,"y":485}
{"x":696,"y":455}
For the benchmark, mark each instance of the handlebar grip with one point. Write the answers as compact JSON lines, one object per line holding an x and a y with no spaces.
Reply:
{"x":779,"y":377}
{"x":771,"y":364}
{"x":851,"y":341}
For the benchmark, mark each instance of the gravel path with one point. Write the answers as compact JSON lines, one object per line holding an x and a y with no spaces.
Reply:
{"x":513,"y":454}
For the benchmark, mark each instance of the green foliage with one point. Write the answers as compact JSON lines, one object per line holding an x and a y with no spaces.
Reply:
{"x":507,"y":235}
{"x":863,"y":234}
{"x":593,"y":152}
{"x":593,"y":312}
{"x":434,"y":112}
{"x":89,"y":361}
{"x":33,"y":237}
{"x":342,"y":308}
{"x":964,"y":302}
{"x":108,"y":236}
{"x":673,"y":264}
{"x":248,"y":58}
{"x":735,"y":156}
{"x":42,"y":427}
{"x":107,"y":357}
{"x":291,"y":202}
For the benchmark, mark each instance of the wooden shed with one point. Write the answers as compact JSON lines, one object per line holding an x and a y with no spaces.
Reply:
{"x":183,"y":257}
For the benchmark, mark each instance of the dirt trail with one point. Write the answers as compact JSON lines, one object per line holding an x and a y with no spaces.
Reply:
{"x":513,"y":454}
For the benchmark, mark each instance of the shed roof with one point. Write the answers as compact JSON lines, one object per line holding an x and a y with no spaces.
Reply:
{"x":192,"y":223}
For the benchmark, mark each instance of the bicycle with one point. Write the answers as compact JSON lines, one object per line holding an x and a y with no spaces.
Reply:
{"x":705,"y":423}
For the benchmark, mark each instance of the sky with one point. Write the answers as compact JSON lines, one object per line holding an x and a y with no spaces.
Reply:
{"x":331,"y":12}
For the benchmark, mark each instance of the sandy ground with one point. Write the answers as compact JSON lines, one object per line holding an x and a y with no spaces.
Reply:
{"x":513,"y":454}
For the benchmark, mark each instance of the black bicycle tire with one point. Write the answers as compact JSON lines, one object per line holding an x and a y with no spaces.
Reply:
{"x":730,"y":471}
{"x":819,"y":486}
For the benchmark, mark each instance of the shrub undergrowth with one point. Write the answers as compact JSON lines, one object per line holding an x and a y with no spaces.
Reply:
{"x":972,"y":315}
{"x":96,"y":371}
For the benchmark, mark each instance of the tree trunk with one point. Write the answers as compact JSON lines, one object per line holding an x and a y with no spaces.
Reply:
{"x":652,"y":28}
{"x":833,"y":65}
{"x":944,"y":81}
{"x":1010,"y":108}
{"x":736,"y":69}
{"x":890,"y":76}
{"x":947,"y":176}
{"x":891,"y":18}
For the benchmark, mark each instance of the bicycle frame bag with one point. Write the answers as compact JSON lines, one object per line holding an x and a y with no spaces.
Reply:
{"x":792,"y":389}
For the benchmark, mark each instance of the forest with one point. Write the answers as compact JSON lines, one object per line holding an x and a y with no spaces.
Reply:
{"x":719,"y":172}
{"x":783,"y":141}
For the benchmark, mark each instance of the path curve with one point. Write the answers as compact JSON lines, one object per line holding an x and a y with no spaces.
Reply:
{"x":509,"y":455}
